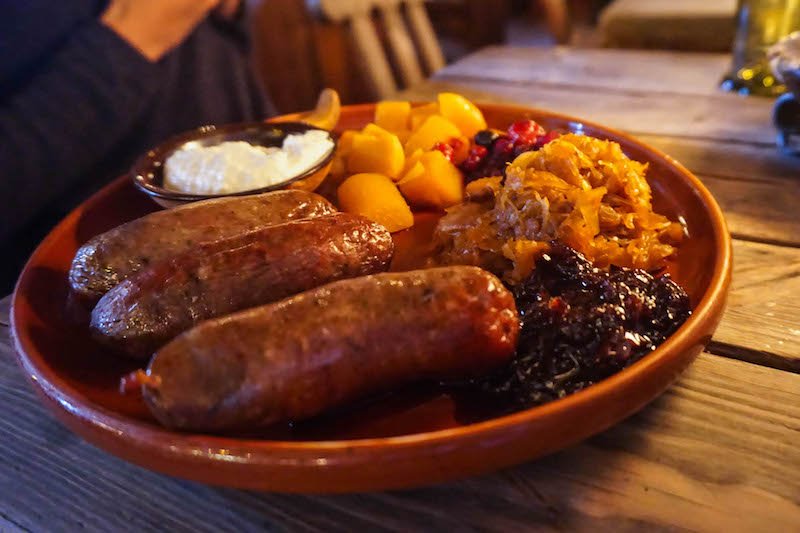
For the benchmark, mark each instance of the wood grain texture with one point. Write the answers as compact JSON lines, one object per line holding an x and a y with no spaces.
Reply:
{"x":654,"y":72}
{"x":759,"y":209}
{"x":685,"y":116}
{"x":727,"y":159}
{"x":296,"y":86}
{"x":425,"y":35}
{"x":716,"y":452}
{"x":369,"y":49}
{"x":762,"y":321}
{"x":400,"y":44}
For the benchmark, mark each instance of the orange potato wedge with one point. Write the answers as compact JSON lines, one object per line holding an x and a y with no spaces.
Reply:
{"x":432,"y":181}
{"x":418,"y":115}
{"x":376,"y":150}
{"x":376,"y":197}
{"x":435,"y":129}
{"x":462,"y":113}
{"x":392,"y":116}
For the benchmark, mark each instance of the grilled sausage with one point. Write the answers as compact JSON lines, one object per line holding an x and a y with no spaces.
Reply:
{"x":303,"y":355}
{"x":109,"y":258}
{"x":154,"y":305}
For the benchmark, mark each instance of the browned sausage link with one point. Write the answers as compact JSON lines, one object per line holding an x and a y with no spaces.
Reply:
{"x":154,"y":305}
{"x":320,"y":349}
{"x":109,"y":258}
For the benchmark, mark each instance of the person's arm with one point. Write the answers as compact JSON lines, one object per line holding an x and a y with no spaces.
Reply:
{"x":84,"y":101}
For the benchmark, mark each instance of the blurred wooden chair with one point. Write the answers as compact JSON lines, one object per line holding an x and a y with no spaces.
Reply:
{"x":367,"y":49}
{"x":406,"y":40}
{"x":284,"y":52}
{"x":557,"y":17}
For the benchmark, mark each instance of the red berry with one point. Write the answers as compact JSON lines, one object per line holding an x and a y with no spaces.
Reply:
{"x":470,"y":163}
{"x":526,"y":131}
{"x":446,"y":149}
{"x":476,"y":156}
{"x":502,"y":146}
{"x":479,"y":151}
{"x":455,"y":143}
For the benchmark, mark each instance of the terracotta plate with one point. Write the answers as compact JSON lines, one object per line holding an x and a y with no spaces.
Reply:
{"x":408,"y":438}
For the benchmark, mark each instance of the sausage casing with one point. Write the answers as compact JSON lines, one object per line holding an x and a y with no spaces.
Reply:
{"x":111,"y":257}
{"x":217,"y":278}
{"x":323,"y":348}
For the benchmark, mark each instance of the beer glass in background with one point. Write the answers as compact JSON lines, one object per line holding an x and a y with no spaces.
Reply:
{"x":760,"y":23}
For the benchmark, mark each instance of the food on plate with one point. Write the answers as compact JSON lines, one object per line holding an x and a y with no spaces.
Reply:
{"x":576,"y":189}
{"x":456,"y":150}
{"x":339,"y":163}
{"x":436,"y":129}
{"x":376,"y":197}
{"x":431,"y":180}
{"x":420,"y":114}
{"x":323,"y":348}
{"x":327,"y":111}
{"x":461,"y":112}
{"x":393,"y":116}
{"x":109,"y":258}
{"x":220,"y":277}
{"x":492,"y":150}
{"x":581,"y":324}
{"x":237,"y":166}
{"x":423,"y":147}
{"x":253,"y":318}
{"x":374,"y":149}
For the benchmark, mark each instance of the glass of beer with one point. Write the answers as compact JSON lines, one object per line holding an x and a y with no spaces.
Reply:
{"x":761,"y":23}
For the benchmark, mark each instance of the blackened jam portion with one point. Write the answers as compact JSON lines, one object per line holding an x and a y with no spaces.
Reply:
{"x":581,"y":324}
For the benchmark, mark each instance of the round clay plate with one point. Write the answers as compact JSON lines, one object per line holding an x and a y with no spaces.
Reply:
{"x":407,"y":438}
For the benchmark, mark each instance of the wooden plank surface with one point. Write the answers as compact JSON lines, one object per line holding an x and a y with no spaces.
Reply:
{"x":762,"y":321}
{"x":731,"y":159}
{"x":759,"y":209}
{"x":721,"y":117}
{"x":655,"y":71}
{"x":716,"y":452}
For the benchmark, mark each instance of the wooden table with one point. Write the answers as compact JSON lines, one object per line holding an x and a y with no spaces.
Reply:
{"x":704,"y":26}
{"x":720,"y":451}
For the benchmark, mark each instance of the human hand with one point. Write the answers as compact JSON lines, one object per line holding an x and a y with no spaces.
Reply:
{"x":154,"y":27}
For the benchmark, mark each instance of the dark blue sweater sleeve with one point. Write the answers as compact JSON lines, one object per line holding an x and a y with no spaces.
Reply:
{"x":82,"y":101}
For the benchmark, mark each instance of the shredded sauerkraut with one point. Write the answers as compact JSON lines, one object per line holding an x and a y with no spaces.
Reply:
{"x":576,"y":189}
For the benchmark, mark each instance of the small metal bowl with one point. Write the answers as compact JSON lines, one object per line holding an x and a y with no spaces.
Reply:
{"x":148,"y":171}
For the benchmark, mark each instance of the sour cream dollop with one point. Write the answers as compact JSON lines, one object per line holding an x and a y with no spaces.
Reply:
{"x":238,"y":166}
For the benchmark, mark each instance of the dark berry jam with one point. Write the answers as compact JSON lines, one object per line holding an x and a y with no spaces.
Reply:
{"x":491,"y":150}
{"x":581,"y":324}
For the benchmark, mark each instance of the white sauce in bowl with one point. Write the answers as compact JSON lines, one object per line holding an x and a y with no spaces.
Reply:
{"x":238,"y":166}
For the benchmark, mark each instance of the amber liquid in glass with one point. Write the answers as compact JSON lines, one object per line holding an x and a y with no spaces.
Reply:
{"x":761,"y":23}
